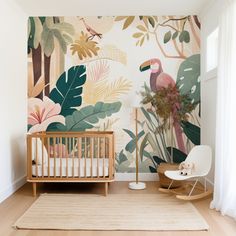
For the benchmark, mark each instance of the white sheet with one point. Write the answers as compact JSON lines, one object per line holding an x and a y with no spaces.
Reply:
{"x":79,"y":168}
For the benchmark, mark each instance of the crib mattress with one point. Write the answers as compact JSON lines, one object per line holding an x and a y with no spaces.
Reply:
{"x":82,"y":168}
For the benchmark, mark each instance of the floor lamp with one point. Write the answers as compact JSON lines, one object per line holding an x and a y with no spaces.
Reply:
{"x":137,"y":185}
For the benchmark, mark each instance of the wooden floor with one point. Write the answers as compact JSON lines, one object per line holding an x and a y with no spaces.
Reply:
{"x":15,"y":205}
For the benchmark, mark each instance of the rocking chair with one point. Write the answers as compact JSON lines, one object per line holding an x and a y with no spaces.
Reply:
{"x":201,"y":156}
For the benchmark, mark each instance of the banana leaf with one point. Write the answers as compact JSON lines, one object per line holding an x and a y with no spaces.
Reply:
{"x":88,"y":116}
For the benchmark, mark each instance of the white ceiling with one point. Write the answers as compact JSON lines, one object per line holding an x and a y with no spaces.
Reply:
{"x":112,"y":7}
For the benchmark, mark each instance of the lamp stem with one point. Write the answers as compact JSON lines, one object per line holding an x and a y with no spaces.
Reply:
{"x":136,"y":142}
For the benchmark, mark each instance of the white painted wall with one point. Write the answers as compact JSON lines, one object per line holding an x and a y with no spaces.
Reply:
{"x":209,"y":20}
{"x":111,"y":7}
{"x":12,"y":97}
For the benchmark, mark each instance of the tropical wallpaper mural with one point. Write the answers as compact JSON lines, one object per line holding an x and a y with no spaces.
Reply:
{"x":85,"y":72}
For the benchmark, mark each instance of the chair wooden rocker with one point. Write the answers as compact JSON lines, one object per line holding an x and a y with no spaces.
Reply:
{"x":201,"y":156}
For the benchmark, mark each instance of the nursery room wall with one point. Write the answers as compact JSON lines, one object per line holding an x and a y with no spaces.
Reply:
{"x":209,"y":79}
{"x":13,"y":97}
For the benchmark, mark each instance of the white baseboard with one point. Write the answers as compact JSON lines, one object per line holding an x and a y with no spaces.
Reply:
{"x":12,"y":188}
{"x":132,"y":176}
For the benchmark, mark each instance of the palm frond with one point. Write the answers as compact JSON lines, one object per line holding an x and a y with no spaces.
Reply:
{"x":98,"y":71}
{"x":112,"y":92}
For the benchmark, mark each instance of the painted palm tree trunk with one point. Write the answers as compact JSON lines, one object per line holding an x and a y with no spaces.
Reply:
{"x":37,"y":65}
{"x":47,"y":62}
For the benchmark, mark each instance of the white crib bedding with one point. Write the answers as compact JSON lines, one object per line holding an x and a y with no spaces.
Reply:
{"x":79,"y":168}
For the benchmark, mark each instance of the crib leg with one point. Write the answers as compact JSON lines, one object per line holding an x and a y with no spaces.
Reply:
{"x":106,"y":189}
{"x":34,"y":189}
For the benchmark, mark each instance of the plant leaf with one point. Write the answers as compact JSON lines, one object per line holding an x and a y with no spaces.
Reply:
{"x":192,"y":131}
{"x":128,"y":22}
{"x":145,"y":20}
{"x":131,"y":146}
{"x":68,"y":89}
{"x":148,"y":117}
{"x":35,"y":90}
{"x":142,"y":41}
{"x":147,"y":154}
{"x":152,"y":169}
{"x":142,"y":146}
{"x":142,"y":28}
{"x":84,"y":47}
{"x":151,"y":21}
{"x":151,"y":141}
{"x":178,"y":156}
{"x":137,"y":35}
{"x":175,"y":35}
{"x":122,"y":157}
{"x":67,"y":39}
{"x":130,"y":133}
{"x":38,"y":31}
{"x":167,"y":37}
{"x":64,"y":27}
{"x":47,"y":41}
{"x":88,"y":116}
{"x":119,"y":18}
{"x":184,"y":36}
{"x":60,"y":39}
{"x":158,"y":160}
{"x":188,"y":78}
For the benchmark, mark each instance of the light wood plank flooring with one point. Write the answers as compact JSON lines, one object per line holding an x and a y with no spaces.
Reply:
{"x":14,"y":206}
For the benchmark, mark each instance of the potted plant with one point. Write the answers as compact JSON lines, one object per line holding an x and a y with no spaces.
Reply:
{"x":168,"y":110}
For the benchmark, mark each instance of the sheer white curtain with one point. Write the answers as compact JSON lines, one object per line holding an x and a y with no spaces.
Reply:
{"x":224,"y":198}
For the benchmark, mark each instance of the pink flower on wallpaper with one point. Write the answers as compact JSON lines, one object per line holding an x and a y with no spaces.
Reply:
{"x":41,"y":113}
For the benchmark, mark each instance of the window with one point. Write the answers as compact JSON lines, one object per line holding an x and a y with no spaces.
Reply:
{"x":212,"y":50}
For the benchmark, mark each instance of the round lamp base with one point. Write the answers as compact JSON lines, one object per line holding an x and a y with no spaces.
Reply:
{"x":137,"y":186}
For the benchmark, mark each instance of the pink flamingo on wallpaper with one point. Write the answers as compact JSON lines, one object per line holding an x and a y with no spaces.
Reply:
{"x":158,"y":80}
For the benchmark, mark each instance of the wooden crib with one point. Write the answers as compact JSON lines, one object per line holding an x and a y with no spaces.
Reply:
{"x":70,"y":157}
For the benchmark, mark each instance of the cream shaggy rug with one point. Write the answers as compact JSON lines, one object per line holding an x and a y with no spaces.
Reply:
{"x":114,"y":212}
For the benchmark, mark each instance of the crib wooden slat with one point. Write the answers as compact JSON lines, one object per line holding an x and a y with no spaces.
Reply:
{"x":110,"y":156}
{"x":54,"y":156}
{"x":85,"y":156}
{"x":42,"y":148}
{"x":67,"y":150}
{"x":73,"y":157}
{"x":36,"y":157}
{"x":49,"y":153}
{"x":79,"y":150}
{"x":91,"y":157}
{"x":104,"y":156}
{"x":60,"y":152}
{"x":98,"y":156}
{"x":29,"y":157}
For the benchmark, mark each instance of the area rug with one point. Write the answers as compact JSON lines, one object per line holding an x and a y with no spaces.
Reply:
{"x":151,"y":212}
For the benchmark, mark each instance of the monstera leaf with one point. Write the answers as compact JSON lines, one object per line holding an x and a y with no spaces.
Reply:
{"x":188,"y":78}
{"x":68,"y":89}
{"x":88,"y":116}
{"x":191,"y":131}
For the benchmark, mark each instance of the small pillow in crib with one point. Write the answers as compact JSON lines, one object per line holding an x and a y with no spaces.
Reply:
{"x":39,"y":152}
